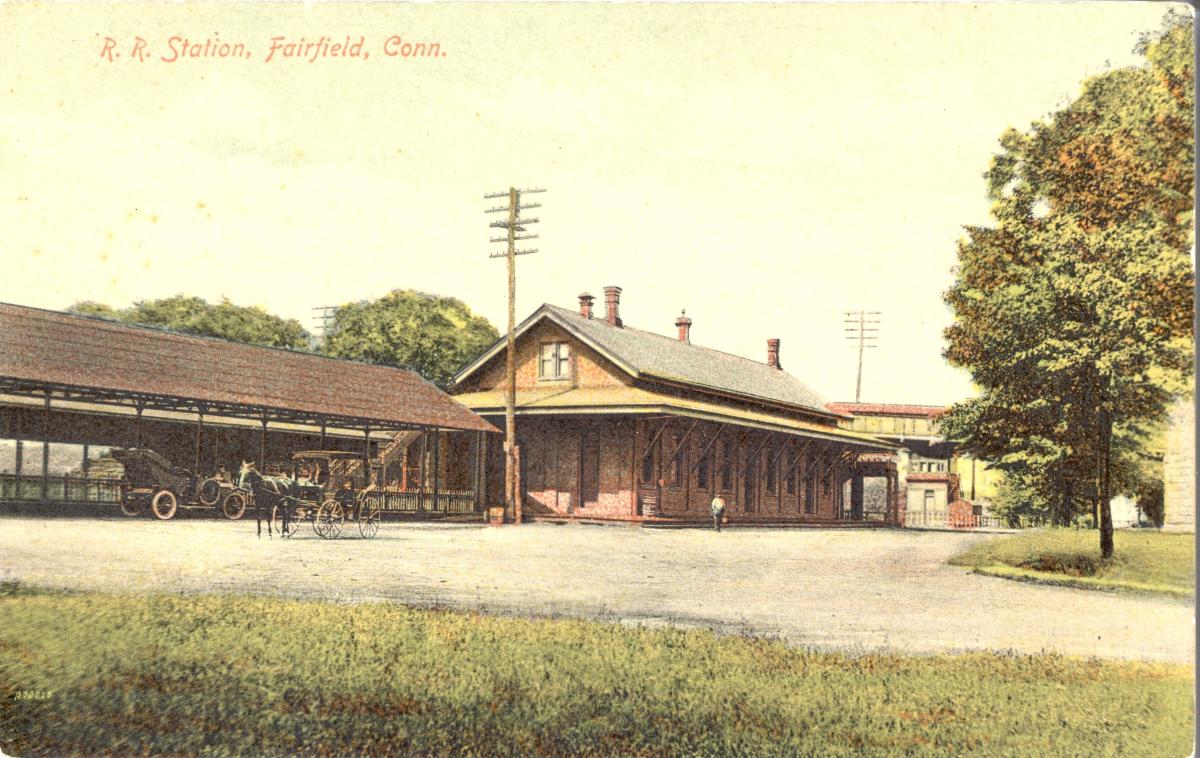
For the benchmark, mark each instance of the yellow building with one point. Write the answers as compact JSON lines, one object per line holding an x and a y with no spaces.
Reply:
{"x":933,"y":474}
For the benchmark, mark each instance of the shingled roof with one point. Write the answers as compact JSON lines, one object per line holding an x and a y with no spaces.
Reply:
{"x":56,"y":350}
{"x":653,"y":356}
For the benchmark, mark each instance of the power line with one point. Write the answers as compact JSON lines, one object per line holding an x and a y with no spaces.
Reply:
{"x":515,"y":228}
{"x":862,"y":327}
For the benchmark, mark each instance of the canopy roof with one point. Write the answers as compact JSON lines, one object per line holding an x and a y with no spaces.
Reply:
{"x":634,"y":400}
{"x":75,"y":357}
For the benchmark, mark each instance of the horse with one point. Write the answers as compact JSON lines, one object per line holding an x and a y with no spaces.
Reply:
{"x":268,"y":491}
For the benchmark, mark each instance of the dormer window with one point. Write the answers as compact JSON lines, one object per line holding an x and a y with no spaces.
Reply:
{"x":555,"y":362}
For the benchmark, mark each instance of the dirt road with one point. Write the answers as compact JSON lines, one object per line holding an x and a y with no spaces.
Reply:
{"x":825,"y":588}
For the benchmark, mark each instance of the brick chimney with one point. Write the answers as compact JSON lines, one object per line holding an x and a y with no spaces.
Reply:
{"x":585,"y":305}
{"x":773,"y":353}
{"x":612,"y":302}
{"x":685,"y":328}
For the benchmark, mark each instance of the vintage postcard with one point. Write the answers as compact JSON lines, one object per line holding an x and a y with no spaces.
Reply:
{"x":609,"y":379}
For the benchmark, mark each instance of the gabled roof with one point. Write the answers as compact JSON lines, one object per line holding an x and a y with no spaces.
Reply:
{"x":56,"y":350}
{"x":645,"y":355}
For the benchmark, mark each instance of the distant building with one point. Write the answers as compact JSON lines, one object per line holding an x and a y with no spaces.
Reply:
{"x":1179,"y":467}
{"x":933,"y":474}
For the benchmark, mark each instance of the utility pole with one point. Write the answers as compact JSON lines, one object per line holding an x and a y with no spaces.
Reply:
{"x":862,"y":327}
{"x":324,"y":320}
{"x":515,"y":228}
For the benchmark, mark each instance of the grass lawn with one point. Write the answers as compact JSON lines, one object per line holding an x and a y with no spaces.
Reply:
{"x":1145,"y":561}
{"x":120,"y":675}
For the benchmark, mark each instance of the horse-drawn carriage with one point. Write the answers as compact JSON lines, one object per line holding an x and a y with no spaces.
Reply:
{"x":327,"y":487}
{"x":151,"y":481}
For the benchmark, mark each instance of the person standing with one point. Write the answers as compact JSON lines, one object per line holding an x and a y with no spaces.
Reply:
{"x":717,"y":506}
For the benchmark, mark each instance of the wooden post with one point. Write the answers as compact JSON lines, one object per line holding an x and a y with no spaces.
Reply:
{"x":262,"y":456}
{"x":199,"y":432}
{"x":475,"y":471}
{"x":422,"y":470}
{"x":137,"y":426}
{"x":46,"y":449}
{"x":437,"y":474}
{"x":262,"y":446}
{"x":20,"y":462}
{"x":517,"y":479}
{"x":366,"y":456}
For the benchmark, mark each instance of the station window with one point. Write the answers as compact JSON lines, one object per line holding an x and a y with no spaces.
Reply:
{"x":810,"y":493}
{"x":726,"y":466}
{"x":675,"y":472}
{"x":772,"y":472}
{"x":702,"y":473}
{"x":790,"y":480}
{"x":555,"y":362}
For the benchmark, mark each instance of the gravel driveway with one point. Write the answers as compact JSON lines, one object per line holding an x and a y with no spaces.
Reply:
{"x":856,"y":589}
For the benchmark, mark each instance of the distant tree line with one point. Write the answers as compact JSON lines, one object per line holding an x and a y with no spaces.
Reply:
{"x":432,"y":335}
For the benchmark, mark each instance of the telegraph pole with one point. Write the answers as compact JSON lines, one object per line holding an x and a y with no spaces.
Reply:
{"x":862,"y":327}
{"x":324,"y":319}
{"x":515,"y":228}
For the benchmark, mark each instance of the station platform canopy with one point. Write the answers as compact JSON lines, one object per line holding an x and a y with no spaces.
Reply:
{"x":93,"y":364}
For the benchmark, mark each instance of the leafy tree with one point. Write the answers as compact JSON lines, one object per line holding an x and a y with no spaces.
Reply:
{"x":194,"y":315}
{"x":434,"y":336}
{"x":1018,"y":501}
{"x":1074,"y":311}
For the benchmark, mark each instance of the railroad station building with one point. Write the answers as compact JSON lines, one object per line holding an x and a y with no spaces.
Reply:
{"x":73,"y":388}
{"x":617,"y":423}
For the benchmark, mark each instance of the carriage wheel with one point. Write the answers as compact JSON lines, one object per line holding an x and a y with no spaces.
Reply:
{"x":368,"y":517}
{"x":277,"y":513}
{"x":209,"y":492}
{"x":164,"y":504}
{"x":234,"y":506}
{"x":130,"y":507}
{"x":328,"y":523}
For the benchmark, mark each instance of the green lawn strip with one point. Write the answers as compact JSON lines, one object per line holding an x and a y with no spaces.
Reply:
{"x":1144,"y":561}
{"x":1082,"y":582}
{"x":222,"y":675}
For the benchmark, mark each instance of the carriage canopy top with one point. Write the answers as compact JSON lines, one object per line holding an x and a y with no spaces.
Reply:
{"x":76,"y":357}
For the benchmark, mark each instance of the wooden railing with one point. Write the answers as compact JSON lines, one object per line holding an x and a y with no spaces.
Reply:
{"x":59,"y":489}
{"x":396,"y":500}
{"x":953,"y":521}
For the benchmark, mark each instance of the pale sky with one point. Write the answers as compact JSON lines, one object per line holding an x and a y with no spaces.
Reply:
{"x":766,"y":167}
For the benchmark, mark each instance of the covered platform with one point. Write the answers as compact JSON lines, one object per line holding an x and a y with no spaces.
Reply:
{"x":73,"y":388}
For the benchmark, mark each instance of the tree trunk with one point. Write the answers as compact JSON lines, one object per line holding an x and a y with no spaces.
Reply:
{"x":1106,"y":522}
{"x":1064,"y":516}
